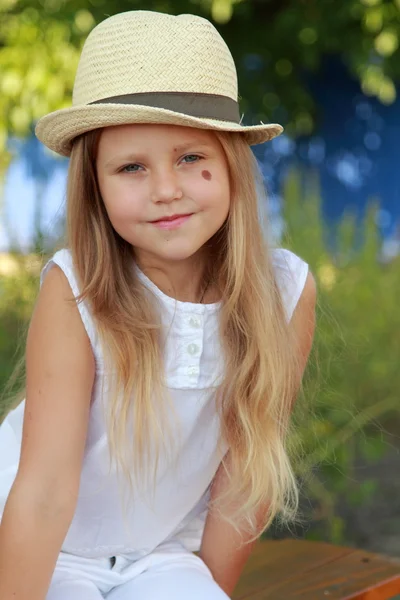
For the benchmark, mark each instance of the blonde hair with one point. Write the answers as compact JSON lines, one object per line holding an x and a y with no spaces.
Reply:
{"x":261,"y":359}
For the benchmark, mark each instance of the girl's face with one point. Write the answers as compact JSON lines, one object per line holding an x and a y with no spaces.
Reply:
{"x":152,"y":172}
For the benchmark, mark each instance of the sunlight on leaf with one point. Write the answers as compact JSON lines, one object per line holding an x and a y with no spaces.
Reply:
{"x":20,"y":119}
{"x":36,"y":76}
{"x":283,"y":67}
{"x":40,"y":106}
{"x":55,"y":89}
{"x":371,"y":80}
{"x":327,"y":275}
{"x":3,"y":138}
{"x":387,"y":91}
{"x":84,"y":21}
{"x":11,"y":83}
{"x":6,"y":5}
{"x":386,"y":43}
{"x":222,"y":10}
{"x":371,"y":2}
{"x":308,"y":36}
{"x":52,"y":6}
{"x":373,"y":19}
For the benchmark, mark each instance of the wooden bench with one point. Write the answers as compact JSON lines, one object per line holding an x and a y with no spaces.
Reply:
{"x":304,"y":570}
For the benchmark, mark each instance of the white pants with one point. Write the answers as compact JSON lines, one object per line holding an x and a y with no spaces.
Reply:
{"x":170,"y":572}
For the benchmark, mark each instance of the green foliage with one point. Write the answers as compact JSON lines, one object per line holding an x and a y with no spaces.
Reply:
{"x":350,"y":391}
{"x":352,"y":381}
{"x":40,"y":42}
{"x":17,"y":296}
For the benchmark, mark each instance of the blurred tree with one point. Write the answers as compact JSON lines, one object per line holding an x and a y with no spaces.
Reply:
{"x":274,"y":43}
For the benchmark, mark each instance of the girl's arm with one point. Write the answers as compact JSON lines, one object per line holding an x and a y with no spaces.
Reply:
{"x":221,"y":547}
{"x":41,"y":504}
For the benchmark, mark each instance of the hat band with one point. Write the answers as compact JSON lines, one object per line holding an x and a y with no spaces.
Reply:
{"x":203,"y":106}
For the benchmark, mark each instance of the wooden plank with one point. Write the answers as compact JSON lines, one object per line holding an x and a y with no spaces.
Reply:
{"x":292,"y":548}
{"x":276,"y":561}
{"x":387,"y":589}
{"x":334,"y":575}
{"x":346,"y":577}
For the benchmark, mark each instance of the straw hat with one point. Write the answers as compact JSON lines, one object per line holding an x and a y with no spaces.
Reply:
{"x":149,"y":67}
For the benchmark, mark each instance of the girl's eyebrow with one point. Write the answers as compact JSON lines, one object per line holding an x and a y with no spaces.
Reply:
{"x":132,"y":156}
{"x":194,"y":142}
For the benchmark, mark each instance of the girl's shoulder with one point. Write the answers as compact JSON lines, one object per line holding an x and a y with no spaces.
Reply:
{"x":291,"y":274}
{"x":63,"y":259}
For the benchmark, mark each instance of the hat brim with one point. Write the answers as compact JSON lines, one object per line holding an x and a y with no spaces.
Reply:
{"x":58,"y":129}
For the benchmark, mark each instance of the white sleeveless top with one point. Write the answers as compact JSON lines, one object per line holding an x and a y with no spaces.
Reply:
{"x":193,"y":371}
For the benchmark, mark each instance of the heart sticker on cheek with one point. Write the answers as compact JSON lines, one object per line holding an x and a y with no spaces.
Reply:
{"x":206,"y":175}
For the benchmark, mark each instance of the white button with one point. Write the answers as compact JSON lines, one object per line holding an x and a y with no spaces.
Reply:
{"x":193,"y":371}
{"x":193,"y":349}
{"x":195,"y":322}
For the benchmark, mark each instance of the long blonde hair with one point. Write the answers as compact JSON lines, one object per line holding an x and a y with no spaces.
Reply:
{"x":261,"y":360}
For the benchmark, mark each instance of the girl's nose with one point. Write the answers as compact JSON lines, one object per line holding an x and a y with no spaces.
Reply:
{"x":166,"y":186}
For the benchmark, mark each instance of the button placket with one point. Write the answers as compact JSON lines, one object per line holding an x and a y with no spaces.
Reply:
{"x":193,"y":349}
{"x":195,"y":321}
{"x":193,"y":371}
{"x":194,"y":345}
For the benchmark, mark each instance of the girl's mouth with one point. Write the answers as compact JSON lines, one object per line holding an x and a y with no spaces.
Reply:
{"x":171,"y":222}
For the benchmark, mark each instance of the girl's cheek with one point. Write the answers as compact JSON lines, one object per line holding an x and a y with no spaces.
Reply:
{"x":117,"y":209}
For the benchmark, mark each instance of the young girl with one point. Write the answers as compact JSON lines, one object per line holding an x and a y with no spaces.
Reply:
{"x":168,"y":341}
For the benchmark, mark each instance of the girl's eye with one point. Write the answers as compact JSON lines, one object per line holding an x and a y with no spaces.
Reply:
{"x":134,"y":167}
{"x":128,"y":169}
{"x":192,"y":158}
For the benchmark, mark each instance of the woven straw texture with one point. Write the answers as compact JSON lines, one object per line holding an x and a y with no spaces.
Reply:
{"x":142,"y":52}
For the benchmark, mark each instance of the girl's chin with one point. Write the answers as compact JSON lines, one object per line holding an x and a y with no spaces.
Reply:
{"x":177,"y":254}
{"x":170,"y":248}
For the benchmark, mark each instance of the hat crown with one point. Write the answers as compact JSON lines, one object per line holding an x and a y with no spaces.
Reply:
{"x":144,"y":51}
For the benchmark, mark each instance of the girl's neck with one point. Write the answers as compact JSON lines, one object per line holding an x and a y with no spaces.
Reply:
{"x":182,"y":280}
